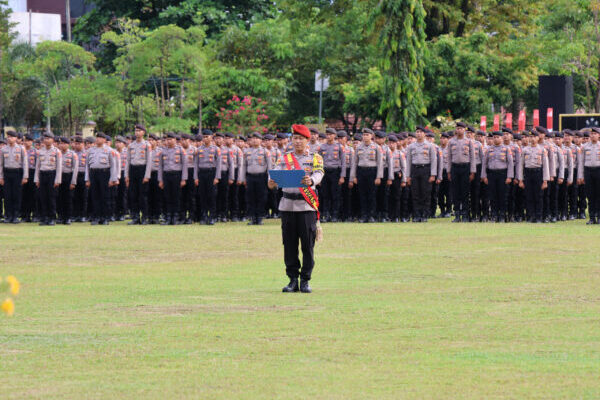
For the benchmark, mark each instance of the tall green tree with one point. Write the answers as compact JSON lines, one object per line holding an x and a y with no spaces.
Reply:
{"x":6,"y":37}
{"x":401,"y":25}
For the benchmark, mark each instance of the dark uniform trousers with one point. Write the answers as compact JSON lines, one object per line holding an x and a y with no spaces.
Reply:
{"x":355,"y":201}
{"x":345,"y":212}
{"x":554,"y":188}
{"x":330,"y":193}
{"x":47,"y":195}
{"x":138,"y":191}
{"x":172,"y":192}
{"x":475,"y":193}
{"x":299,"y":226}
{"x":272,"y":203}
{"x":546,"y":201}
{"x":572,"y":196}
{"x":533,"y":180}
{"x":65,"y":197}
{"x":563,"y":203}
{"x":188,"y":197}
{"x":154,"y":197}
{"x":433,"y":204}
{"x":591,"y":175}
{"x":28,"y":199}
{"x":100,"y":194}
{"x":1,"y":201}
{"x":206,"y":193}
{"x":581,"y":199}
{"x":256,"y":195}
{"x":223,"y":194}
{"x":241,"y":201}
{"x":519,"y":201}
{"x":112,"y":203}
{"x":382,"y":196}
{"x":121,"y":206}
{"x":420,"y":190}
{"x":395,"y":199}
{"x":497,"y":190}
{"x":444,"y":199}
{"x":366,"y":189}
{"x":460,"y":188}
{"x":233,"y":206}
{"x":80,"y":197}
{"x":13,"y":178}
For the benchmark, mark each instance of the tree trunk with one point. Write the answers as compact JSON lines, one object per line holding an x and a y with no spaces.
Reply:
{"x":48,"y":127}
{"x":181,"y":96}
{"x":162,"y":88}
{"x":70,"y":119}
{"x":1,"y":89}
{"x":199,"y":103}
{"x":156,"y":96}
{"x":464,"y":7}
{"x":597,"y":107}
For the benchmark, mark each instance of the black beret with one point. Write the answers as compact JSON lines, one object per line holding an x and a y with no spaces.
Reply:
{"x":330,"y":131}
{"x":470,"y":129}
{"x":541,"y":129}
{"x":392,"y":138}
{"x":28,"y":137}
{"x":367,"y":130}
{"x":219,"y":134}
{"x":559,"y":135}
{"x":380,"y":134}
{"x":322,"y":135}
{"x":497,"y":133}
{"x":412,"y":134}
{"x":358,"y":136}
{"x":207,"y":132}
{"x":596,"y":129}
{"x":480,"y":132}
{"x":444,"y":135}
{"x":461,"y":125}
{"x":121,"y":139}
{"x":430,"y":134}
{"x":550,"y":134}
{"x":255,"y":135}
{"x":12,"y":133}
{"x":48,"y":134}
{"x":89,"y":139}
{"x":20,"y":135}
{"x":507,"y":130}
{"x":242,"y":138}
{"x":342,"y":134}
{"x":268,"y":136}
{"x":153,"y":136}
{"x":517,"y":136}
{"x":229,"y":135}
{"x":282,"y":135}
{"x":186,"y":136}
{"x":64,"y":139}
{"x":140,"y":127}
{"x":77,"y":139}
{"x":313,"y":130}
{"x":78,"y":134}
{"x":586,"y":134}
{"x":533,"y":133}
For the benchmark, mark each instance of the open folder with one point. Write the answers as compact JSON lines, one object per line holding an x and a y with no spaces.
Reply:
{"x":288,"y":178}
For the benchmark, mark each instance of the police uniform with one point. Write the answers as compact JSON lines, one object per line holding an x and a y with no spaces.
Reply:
{"x":461,"y":158}
{"x":48,"y":176}
{"x":334,"y":161}
{"x":421,"y":164}
{"x":444,"y":200}
{"x":155,"y":198}
{"x":272,"y":210}
{"x":172,"y":171}
{"x":188,"y":192}
{"x":138,"y":168}
{"x":100,"y":171}
{"x":80,"y":194}
{"x":589,"y":170}
{"x":367,"y":166}
{"x":28,"y":200}
{"x":299,"y":217}
{"x":398,"y":169}
{"x":227,"y":175}
{"x":70,"y":167}
{"x":476,"y":202}
{"x":533,"y":171}
{"x":236,"y":155}
{"x":497,"y":167}
{"x":14,"y":169}
{"x":207,"y":169}
{"x":253,"y":173}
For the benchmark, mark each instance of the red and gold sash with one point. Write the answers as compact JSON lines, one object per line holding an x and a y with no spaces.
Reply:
{"x":291,"y":162}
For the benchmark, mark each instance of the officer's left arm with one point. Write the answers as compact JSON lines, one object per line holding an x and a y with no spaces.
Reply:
{"x":231,"y":167}
{"x":184,"y":166}
{"x":25,"y":164}
{"x":511,"y":164}
{"x":58,"y":178}
{"x":219,"y":164}
{"x":472,"y":160}
{"x":317,"y":170}
{"x":433,"y":160}
{"x":379,"y":162}
{"x":75,"y":169}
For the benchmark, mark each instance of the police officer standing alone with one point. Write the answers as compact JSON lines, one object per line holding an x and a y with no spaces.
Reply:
{"x":298,"y":209}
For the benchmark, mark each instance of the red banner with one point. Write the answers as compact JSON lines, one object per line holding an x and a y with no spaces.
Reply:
{"x":549,"y":118}
{"x":508,"y":121}
{"x":483,"y":123}
{"x":496,"y":122}
{"x":522,"y":118}
{"x":536,"y":118}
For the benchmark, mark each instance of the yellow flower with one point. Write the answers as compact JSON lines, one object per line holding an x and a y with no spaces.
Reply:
{"x":8,"y":307}
{"x":14,"y":284}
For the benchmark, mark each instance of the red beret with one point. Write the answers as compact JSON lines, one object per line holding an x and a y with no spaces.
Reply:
{"x":301,"y":130}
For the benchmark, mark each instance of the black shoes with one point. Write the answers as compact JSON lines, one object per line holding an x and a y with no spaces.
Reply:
{"x":305,"y":287}
{"x":291,"y":287}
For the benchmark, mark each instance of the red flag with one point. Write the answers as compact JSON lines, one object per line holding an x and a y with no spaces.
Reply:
{"x":536,"y":118}
{"x":522,"y":119}
{"x":508,"y":121}
{"x":549,"y":118}
{"x":496,"y":122}
{"x":483,"y":123}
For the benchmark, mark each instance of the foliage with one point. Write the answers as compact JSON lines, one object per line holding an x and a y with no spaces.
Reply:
{"x":243,"y":116}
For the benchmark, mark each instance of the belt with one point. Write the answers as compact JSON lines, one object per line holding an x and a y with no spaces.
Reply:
{"x":533,"y":169}
{"x":367,"y":167}
{"x":594,"y":168}
{"x":173,"y":172}
{"x":99,"y":169}
{"x":13,"y":169}
{"x":421,"y":165}
{"x":293,"y":196}
{"x":205,"y":170}
{"x":462,"y":164}
{"x":137,"y":166}
{"x":257,"y":174}
{"x":333,"y":168}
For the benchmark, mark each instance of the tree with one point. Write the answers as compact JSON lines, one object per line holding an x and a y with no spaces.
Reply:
{"x":402,"y":59}
{"x":6,"y":37}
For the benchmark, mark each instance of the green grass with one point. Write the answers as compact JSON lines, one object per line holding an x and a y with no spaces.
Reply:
{"x":437,"y":310}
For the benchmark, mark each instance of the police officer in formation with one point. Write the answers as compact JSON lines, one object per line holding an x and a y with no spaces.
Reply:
{"x":534,"y":175}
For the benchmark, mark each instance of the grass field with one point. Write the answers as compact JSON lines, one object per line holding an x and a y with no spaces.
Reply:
{"x":437,"y":310}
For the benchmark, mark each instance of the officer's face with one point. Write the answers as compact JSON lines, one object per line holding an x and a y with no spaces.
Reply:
{"x":48,"y":141}
{"x":77,"y":146}
{"x":28,"y":143}
{"x":460,"y":130}
{"x":299,"y":142}
{"x":330,"y":137}
{"x":63,"y":147}
{"x":594,"y":137}
{"x":228,"y":141}
{"x":497,"y":140}
{"x":219,"y":141}
{"x":367,"y":138}
{"x":171,"y":142}
{"x":420,"y":135}
{"x":11,"y":140}
{"x":139,"y":134}
{"x":100,"y":141}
